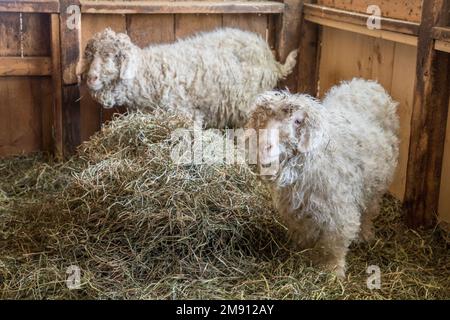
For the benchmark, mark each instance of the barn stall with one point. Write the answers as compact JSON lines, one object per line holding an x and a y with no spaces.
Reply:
{"x":45,"y":108}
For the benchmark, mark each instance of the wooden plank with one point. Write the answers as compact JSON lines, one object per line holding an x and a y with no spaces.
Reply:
{"x":444,"y":199}
{"x":34,"y":6}
{"x":256,"y":23}
{"x":145,"y":30}
{"x":42,"y":94}
{"x":443,"y":46}
{"x":25,"y":100}
{"x":402,"y":90}
{"x":400,"y":26}
{"x":35,"y":42}
{"x":383,"y":61}
{"x":35,"y":34}
{"x":441,"y":33}
{"x":309,"y":55}
{"x":400,"y":9}
{"x":428,"y":125}
{"x":182,"y":7}
{"x":20,"y":119}
{"x":71,"y":119}
{"x":345,"y":56}
{"x":70,"y":56}
{"x":70,"y":43}
{"x":289,"y":37}
{"x":28,"y":66}
{"x":381,"y":34}
{"x":272,"y":32}
{"x":57,"y":130}
{"x":9,"y":34}
{"x":189,"y":24}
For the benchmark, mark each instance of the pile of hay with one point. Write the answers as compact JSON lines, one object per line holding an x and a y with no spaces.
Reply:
{"x":139,"y":226}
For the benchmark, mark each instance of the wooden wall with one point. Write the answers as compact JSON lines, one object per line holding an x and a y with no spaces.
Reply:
{"x":25,"y":101}
{"x":444,"y":205}
{"x":147,"y":29}
{"x":410,"y":10}
{"x":346,"y":55}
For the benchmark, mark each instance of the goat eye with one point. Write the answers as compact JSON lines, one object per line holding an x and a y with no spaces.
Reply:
{"x":298,"y":122}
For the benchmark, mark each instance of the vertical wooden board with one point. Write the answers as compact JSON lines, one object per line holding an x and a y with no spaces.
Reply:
{"x":9,"y":34}
{"x":306,"y":78}
{"x":36,"y":34}
{"x":402,"y":90}
{"x":71,"y":118}
{"x":410,"y":10}
{"x":91,"y":112}
{"x":383,"y":62}
{"x":145,"y":29}
{"x":328,"y":73}
{"x":444,"y":200}
{"x":57,"y":122}
{"x":344,"y":56}
{"x":189,"y":24}
{"x":429,"y":121}
{"x":36,"y":42}
{"x":256,"y":23}
{"x":26,"y":101}
{"x":42,"y":93}
{"x":272,"y":32}
{"x":20,"y":124}
{"x":288,"y":39}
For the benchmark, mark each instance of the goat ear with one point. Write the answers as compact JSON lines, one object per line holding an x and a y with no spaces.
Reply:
{"x":128,"y":67}
{"x":308,"y":133}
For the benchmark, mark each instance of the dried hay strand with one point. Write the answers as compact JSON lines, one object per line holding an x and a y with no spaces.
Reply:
{"x":141,"y":227}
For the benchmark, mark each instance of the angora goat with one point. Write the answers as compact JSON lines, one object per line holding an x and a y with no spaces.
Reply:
{"x":211,"y":77}
{"x":336,"y":160}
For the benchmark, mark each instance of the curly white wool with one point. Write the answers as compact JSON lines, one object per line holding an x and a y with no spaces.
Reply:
{"x":211,"y":77}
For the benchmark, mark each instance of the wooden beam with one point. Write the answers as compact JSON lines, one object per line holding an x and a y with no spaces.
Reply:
{"x":70,"y":35}
{"x":381,"y":34}
{"x":409,"y":10}
{"x":309,"y":55}
{"x":70,"y":42}
{"x":71,"y":119}
{"x":57,"y":131}
{"x":183,"y":7}
{"x":443,"y":46}
{"x":441,"y":33}
{"x":32,"y":6}
{"x":429,"y":120}
{"x":360,"y":19}
{"x":288,"y":32}
{"x":27,"y":66}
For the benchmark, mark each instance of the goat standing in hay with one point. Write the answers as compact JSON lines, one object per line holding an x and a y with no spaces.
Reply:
{"x":211,"y":77}
{"x":336,"y":160}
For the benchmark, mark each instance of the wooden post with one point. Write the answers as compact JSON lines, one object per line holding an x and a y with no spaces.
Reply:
{"x":309,"y":55}
{"x":428,"y":124}
{"x":57,"y":134}
{"x":289,"y":37}
{"x":70,"y":29}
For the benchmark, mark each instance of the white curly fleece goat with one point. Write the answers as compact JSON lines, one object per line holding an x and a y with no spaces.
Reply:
{"x":337,"y":160}
{"x":211,"y":77}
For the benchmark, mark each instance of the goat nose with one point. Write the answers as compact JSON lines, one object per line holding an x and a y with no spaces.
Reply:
{"x":92,"y":78}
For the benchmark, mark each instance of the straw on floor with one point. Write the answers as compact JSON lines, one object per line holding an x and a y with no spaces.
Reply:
{"x":139,"y":226}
